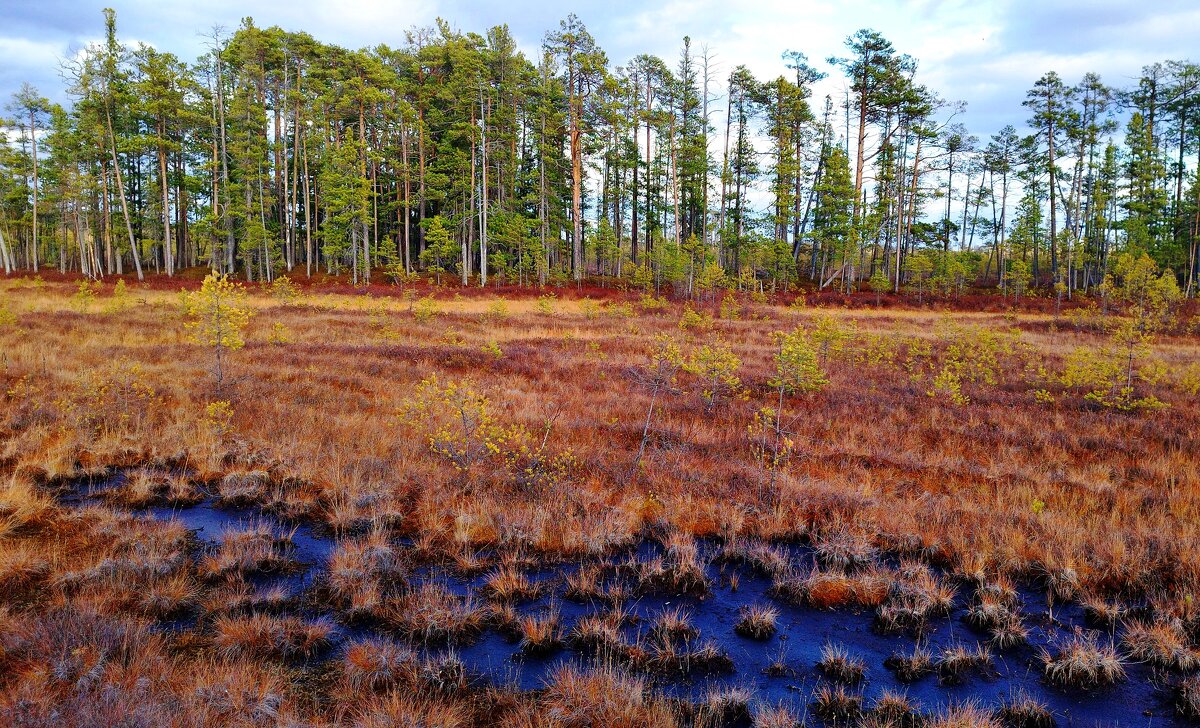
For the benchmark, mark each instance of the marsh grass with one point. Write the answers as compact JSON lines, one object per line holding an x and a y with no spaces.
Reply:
{"x":1081,"y":663}
{"x":893,"y":493}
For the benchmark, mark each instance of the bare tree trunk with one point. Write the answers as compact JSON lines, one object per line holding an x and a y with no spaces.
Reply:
{"x":483,"y":206}
{"x":725,"y":174}
{"x":137,"y":258}
{"x":5,"y":256}
{"x":901,"y":241}
{"x":220,"y":97}
{"x":34,"y":156}
{"x":543,"y":265}
{"x":168,"y":252}
{"x":577,"y":183}
{"x":421,"y":183}
{"x":308,"y":245}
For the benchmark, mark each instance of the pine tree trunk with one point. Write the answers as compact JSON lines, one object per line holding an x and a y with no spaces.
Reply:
{"x":137,"y":259}
{"x":34,"y":156}
{"x":168,"y":252}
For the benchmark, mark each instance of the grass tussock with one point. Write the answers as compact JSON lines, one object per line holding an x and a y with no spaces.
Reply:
{"x":894,"y":710}
{"x":912,"y":666}
{"x":1080,"y":663}
{"x":542,"y":633}
{"x":955,"y":664}
{"x":256,"y":548}
{"x":261,"y":636}
{"x":838,"y":665}
{"x":378,"y":664}
{"x":1162,"y":644}
{"x":968,"y":715}
{"x":776,"y":716}
{"x":837,"y":705}
{"x":603,"y":696}
{"x":1024,"y":711}
{"x":834,"y":590}
{"x":1187,"y":698}
{"x":757,"y":621}
{"x":432,"y":614}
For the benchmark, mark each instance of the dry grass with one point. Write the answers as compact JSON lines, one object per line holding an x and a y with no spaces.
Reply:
{"x":894,"y":710}
{"x":1187,"y":698}
{"x":541,"y":633}
{"x":968,"y":715}
{"x":776,"y":716}
{"x":955,"y":663}
{"x":913,"y":666}
{"x":1083,"y":664}
{"x":1025,"y":712}
{"x":1162,"y":644}
{"x":1008,"y":489}
{"x":377,"y":664}
{"x":602,"y":698}
{"x":508,"y":584}
{"x":261,"y":636}
{"x":757,"y":621}
{"x":840,"y":666}
{"x":253,"y":549}
{"x":432,"y":614}
{"x":836,"y":705}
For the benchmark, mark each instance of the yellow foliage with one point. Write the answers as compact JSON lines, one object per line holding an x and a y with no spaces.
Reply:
{"x":117,"y":400}
{"x":218,"y":418}
{"x":716,"y":367}
{"x":731,"y":310}
{"x":1107,"y":375}
{"x":497,"y":311}
{"x":218,"y":313}
{"x":8,"y":317}
{"x":279,"y":335}
{"x":218,"y":316}
{"x":425,"y":309}
{"x":285,"y":291}
{"x":796,"y":366}
{"x":691,"y":319}
{"x":972,"y":356}
{"x":545,"y":304}
{"x":492,"y":349}
{"x":84,"y":294}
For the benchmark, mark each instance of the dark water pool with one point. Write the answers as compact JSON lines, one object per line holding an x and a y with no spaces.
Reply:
{"x":1143,"y":699}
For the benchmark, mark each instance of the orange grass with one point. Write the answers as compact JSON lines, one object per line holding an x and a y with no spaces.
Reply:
{"x":1083,"y":502}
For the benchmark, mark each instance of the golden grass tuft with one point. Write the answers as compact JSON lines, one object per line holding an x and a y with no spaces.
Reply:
{"x":1081,"y":663}
{"x":266,"y":637}
{"x":602,"y":696}
{"x":757,"y":621}
{"x":838,"y":665}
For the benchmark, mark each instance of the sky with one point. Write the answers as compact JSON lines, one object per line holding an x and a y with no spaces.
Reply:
{"x":987,"y":54}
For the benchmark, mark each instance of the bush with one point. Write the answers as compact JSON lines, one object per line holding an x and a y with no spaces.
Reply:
{"x":284,"y":291}
{"x":691,"y":319}
{"x":425,"y":309}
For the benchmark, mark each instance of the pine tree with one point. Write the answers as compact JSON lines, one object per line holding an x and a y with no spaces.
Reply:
{"x":833,"y":220}
{"x":583,"y":66}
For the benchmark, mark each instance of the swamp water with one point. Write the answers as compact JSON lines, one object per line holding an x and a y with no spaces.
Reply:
{"x":1143,"y":699}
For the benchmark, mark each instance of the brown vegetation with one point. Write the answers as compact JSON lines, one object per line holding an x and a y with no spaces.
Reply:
{"x":906,"y":499}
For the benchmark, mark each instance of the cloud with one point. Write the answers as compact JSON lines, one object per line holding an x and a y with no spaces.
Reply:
{"x":985,"y":53}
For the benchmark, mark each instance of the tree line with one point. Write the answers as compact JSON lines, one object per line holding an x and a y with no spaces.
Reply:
{"x":457,"y":155}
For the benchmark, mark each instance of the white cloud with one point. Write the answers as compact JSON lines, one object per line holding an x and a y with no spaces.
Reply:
{"x":986,"y":53}
{"x":27,"y":53}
